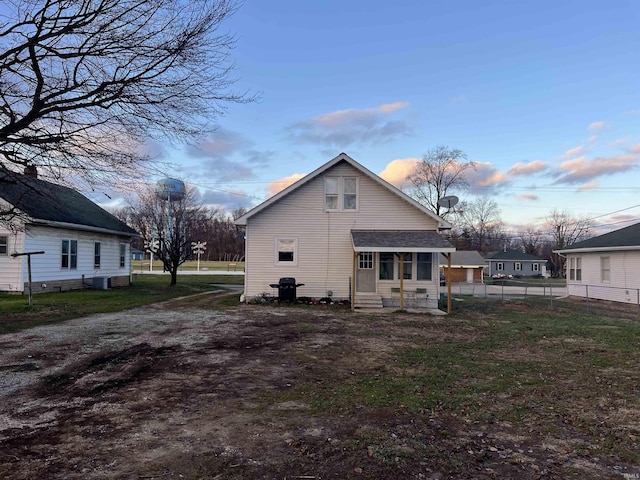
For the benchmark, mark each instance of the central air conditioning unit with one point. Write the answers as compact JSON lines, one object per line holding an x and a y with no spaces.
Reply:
{"x":101,"y":283}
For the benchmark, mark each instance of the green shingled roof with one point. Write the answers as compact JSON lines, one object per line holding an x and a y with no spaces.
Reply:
{"x":624,"y":237}
{"x":44,"y":201}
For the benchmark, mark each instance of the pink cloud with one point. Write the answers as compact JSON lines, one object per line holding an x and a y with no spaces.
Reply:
{"x":397,"y":171}
{"x":528,"y":196}
{"x":279,"y":185}
{"x":572,"y":152}
{"x":581,"y":170}
{"x":485,"y":177}
{"x":363,"y":116}
{"x":598,"y":126}
{"x":592,"y":185}
{"x":528,"y":168}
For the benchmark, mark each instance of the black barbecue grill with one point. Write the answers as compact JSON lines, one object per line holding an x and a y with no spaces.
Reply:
{"x":287,"y":287}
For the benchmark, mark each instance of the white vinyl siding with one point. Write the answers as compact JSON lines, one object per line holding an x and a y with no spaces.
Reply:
{"x":325,"y":257}
{"x":11,"y":279}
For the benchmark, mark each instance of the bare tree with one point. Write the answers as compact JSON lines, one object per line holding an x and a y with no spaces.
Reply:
{"x":531,"y":241}
{"x":83,"y":83}
{"x":480,"y":223}
{"x":167,"y":227}
{"x":440,"y":173}
{"x":564,"y":230}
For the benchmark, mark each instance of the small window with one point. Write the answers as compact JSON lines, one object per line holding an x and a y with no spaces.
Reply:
{"x":69,"y":254}
{"x":123,"y":255}
{"x":286,"y":250}
{"x":579,"y":269}
{"x":535,"y":267}
{"x":96,"y":255}
{"x":425,"y":261}
{"x":517,"y":266}
{"x":4,"y":245}
{"x":406,"y":266}
{"x":331,"y":190}
{"x":605,"y":269}
{"x":386,"y":266}
{"x":575,"y":269}
{"x":500,"y":266}
{"x":365,"y":261}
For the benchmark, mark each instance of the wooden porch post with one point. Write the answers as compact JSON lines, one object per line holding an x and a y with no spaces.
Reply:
{"x":401,"y":281}
{"x":353,"y":282}
{"x":448,"y":278}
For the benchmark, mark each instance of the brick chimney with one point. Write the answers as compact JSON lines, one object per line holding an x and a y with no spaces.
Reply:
{"x":31,"y":171}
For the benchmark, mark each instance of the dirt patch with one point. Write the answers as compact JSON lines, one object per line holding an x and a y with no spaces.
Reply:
{"x":189,"y":390}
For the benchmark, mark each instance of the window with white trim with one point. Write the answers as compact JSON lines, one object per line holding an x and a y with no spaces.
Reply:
{"x":365,"y":261}
{"x":575,"y":269}
{"x":535,"y":267}
{"x":517,"y":266}
{"x":4,"y":245}
{"x":605,"y":269}
{"x":500,"y":266}
{"x":340,"y":193}
{"x":123,"y":255}
{"x":69,"y":254}
{"x":96,"y":254}
{"x":286,"y":251}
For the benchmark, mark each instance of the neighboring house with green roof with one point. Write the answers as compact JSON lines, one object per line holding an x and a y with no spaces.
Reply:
{"x":605,"y":267}
{"x":516,"y":264}
{"x":81,"y":241}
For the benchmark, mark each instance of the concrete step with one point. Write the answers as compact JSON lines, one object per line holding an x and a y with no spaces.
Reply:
{"x":368,"y":301}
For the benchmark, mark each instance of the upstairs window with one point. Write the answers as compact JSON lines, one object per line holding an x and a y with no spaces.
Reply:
{"x":340,"y":193}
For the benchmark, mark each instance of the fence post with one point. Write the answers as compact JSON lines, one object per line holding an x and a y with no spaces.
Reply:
{"x":503,"y":291}
{"x":586,"y":294}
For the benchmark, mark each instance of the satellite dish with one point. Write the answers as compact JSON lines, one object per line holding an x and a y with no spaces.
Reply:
{"x":170,"y":189}
{"x":448,"y":201}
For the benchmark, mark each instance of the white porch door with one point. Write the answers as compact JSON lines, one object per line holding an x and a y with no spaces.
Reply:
{"x":365,"y":273}
{"x":469,"y":275}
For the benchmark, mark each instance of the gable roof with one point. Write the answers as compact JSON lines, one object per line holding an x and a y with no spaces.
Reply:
{"x":46,"y":203}
{"x":466,"y":258}
{"x":514,"y":255}
{"x":343,"y":157}
{"x":627,"y":238}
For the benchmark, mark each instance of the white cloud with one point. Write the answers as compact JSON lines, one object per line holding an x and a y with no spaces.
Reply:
{"x":598,"y":126}
{"x":572,"y":152}
{"x":281,"y":184}
{"x":521,"y":168}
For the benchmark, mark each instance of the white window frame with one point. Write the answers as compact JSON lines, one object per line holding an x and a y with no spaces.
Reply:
{"x":123,"y":255}
{"x":97,"y":255}
{"x":500,"y":266}
{"x":575,"y":269}
{"x":72,"y":257}
{"x":365,"y":261}
{"x":339,"y":194}
{"x":605,"y":269}
{"x":535,"y":267}
{"x":517,"y":266}
{"x":279,"y":243}
{"x":4,"y":245}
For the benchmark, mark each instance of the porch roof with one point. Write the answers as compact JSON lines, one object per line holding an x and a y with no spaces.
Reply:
{"x":395,"y":241}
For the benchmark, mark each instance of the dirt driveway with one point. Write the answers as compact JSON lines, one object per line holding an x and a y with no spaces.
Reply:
{"x":191,"y":391}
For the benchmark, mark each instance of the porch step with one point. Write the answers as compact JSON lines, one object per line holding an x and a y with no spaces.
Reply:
{"x":368,"y":301}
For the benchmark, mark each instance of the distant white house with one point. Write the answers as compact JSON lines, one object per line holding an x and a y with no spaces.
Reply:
{"x":80,"y":240}
{"x":344,"y":233}
{"x":606,"y":267}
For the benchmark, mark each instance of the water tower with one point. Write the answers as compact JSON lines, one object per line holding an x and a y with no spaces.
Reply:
{"x":170,"y":190}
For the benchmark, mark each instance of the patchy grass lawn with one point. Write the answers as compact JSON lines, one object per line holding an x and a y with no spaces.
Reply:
{"x":199,"y":389}
{"x":16,"y":314}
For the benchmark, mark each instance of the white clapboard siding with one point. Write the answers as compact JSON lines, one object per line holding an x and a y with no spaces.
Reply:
{"x":624,"y":283}
{"x":11,"y":267}
{"x":325,"y":251}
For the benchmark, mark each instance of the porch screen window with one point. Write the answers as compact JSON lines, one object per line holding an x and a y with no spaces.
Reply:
{"x":331,"y":191}
{"x":365,"y":261}
{"x":69,"y":254}
{"x":123,"y":255}
{"x":424,"y":266}
{"x":3,"y":245}
{"x":96,"y":255}
{"x":605,"y":269}
{"x":406,"y":266}
{"x":386,"y":266}
{"x":286,"y":249}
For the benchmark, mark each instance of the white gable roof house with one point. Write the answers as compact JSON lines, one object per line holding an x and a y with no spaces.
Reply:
{"x":345,"y":233}
{"x":80,"y":244}
{"x":605,"y":267}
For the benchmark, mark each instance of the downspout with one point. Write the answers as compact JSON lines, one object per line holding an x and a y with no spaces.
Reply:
{"x":353,"y":282}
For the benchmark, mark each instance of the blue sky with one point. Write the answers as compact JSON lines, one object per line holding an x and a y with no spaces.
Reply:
{"x":544,"y":95}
